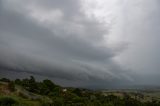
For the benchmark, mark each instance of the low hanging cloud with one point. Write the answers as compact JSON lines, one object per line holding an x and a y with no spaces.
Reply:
{"x":55,"y":38}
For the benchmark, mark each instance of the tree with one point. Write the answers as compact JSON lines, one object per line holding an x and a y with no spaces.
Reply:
{"x":18,"y":82}
{"x":32,"y":84}
{"x":4,"y":80}
{"x":50,"y":85}
{"x":32,"y":79}
{"x":77,"y":91}
{"x":29,"y":84}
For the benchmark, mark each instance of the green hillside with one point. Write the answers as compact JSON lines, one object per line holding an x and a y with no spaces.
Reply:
{"x":29,"y":92}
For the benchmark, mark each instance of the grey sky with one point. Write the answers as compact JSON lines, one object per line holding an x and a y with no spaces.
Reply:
{"x":71,"y":43}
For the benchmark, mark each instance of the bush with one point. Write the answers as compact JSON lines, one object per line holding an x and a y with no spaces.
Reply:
{"x":7,"y":101}
{"x":57,"y":101}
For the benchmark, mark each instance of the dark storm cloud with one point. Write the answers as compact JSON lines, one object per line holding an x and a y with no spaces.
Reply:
{"x":71,"y":48}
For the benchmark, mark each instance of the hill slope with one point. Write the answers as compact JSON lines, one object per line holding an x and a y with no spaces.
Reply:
{"x":28,"y":92}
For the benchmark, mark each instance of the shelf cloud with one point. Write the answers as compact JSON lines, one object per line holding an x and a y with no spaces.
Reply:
{"x":59,"y":39}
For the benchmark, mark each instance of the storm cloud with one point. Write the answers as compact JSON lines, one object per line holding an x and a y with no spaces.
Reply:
{"x":55,"y":38}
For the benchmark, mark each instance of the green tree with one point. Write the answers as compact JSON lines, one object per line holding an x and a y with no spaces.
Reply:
{"x":18,"y":82}
{"x":32,"y":84}
{"x":49,"y":84}
{"x":4,"y":80}
{"x":77,"y":91}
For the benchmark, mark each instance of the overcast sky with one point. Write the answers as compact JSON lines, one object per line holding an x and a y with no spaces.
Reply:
{"x":88,"y":43}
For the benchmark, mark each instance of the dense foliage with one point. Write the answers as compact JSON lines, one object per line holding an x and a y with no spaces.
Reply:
{"x":59,"y":96}
{"x":7,"y":101}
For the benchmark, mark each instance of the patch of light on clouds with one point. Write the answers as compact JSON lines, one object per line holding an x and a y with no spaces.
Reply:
{"x":110,"y":13}
{"x":105,"y":11}
{"x":54,"y":16}
{"x":97,"y":9}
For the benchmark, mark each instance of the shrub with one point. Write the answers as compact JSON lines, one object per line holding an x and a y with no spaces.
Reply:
{"x":7,"y":101}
